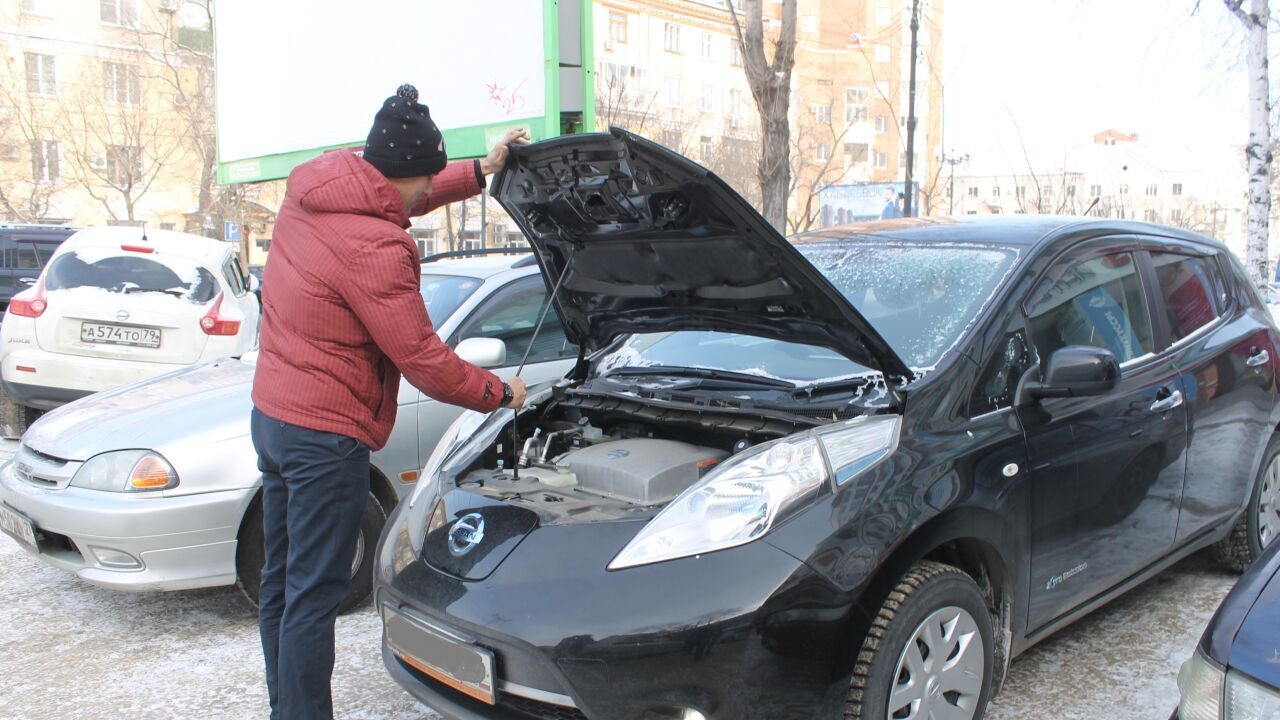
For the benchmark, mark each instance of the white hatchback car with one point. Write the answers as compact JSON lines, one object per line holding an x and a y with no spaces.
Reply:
{"x":119,"y":304}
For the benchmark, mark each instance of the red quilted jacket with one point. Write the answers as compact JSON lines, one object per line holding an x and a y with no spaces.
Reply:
{"x":342,"y":316}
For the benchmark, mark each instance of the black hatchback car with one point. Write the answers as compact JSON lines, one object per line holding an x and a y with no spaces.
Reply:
{"x":848,"y":475}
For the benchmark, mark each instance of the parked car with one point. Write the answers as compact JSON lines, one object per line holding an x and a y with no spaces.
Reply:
{"x":1234,"y":673}
{"x":155,"y":486}
{"x":120,"y":304}
{"x":24,"y":251}
{"x":850,"y":475}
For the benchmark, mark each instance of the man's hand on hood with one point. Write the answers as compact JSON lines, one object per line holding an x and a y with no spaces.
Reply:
{"x":497,"y":157}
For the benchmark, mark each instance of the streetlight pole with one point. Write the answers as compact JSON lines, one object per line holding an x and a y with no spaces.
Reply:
{"x":911,"y":107}
{"x":953,"y":160}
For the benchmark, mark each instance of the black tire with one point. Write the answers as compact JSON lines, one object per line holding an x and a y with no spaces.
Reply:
{"x":250,"y":553}
{"x":1243,"y":544}
{"x":928,"y":587}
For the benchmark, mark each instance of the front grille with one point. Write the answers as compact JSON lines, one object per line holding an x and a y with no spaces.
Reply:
{"x":538,"y":710}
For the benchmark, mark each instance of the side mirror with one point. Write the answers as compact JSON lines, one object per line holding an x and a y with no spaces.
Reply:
{"x":1072,"y":371}
{"x":484,"y":352}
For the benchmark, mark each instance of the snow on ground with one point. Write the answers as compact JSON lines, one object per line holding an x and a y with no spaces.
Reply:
{"x":70,"y":650}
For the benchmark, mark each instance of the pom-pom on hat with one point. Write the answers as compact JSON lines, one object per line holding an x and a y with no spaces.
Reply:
{"x":404,"y":141}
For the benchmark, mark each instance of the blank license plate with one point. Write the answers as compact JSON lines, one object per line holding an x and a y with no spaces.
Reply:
{"x":107,"y":334}
{"x":463,"y":667}
{"x":17,"y":526}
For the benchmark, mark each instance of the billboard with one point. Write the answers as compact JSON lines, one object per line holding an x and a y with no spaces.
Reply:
{"x":297,"y":77}
{"x":859,"y":202}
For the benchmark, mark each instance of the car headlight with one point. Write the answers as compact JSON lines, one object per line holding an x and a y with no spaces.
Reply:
{"x":126,"y":471}
{"x":1249,"y":699}
{"x":750,"y":493}
{"x":1200,"y":685}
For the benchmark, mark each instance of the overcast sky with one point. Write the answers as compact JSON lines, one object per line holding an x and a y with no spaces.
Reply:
{"x":1061,"y":70}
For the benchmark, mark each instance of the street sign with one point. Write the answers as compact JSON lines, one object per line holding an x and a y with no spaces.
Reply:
{"x":231,"y":231}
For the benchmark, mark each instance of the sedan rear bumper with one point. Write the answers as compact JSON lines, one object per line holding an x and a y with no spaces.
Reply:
{"x":131,"y":541}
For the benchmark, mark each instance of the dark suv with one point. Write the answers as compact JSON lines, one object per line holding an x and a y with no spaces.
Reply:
{"x":848,"y":475}
{"x":24,"y":251}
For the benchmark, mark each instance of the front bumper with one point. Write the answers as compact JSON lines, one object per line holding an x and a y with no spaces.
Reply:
{"x":178,"y":542}
{"x":742,"y":634}
{"x":58,"y":379}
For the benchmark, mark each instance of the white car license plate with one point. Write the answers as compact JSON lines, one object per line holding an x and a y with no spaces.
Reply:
{"x":462,"y":666}
{"x":107,"y":334}
{"x":17,"y":526}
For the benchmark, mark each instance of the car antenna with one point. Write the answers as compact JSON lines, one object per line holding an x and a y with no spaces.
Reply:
{"x":515,"y":413}
{"x":1092,"y":205}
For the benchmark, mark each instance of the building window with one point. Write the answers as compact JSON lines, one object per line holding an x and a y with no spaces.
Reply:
{"x":124,"y":164}
{"x":884,"y":17}
{"x":823,"y":152}
{"x":36,"y":7}
{"x":809,"y":24}
{"x":121,"y":83}
{"x":706,"y":45}
{"x":42,"y":74}
{"x":671,"y":37}
{"x":855,"y":105}
{"x":618,"y":27}
{"x":855,"y":153}
{"x":1177,"y":188}
{"x":735,"y":53}
{"x":1071,"y":191}
{"x":671,"y":138}
{"x":1095,"y":191}
{"x":973,"y":192}
{"x":672,"y":94}
{"x":882,"y":124}
{"x":118,"y":12}
{"x":735,"y":103}
{"x":44,"y":160}
{"x":706,"y":97}
{"x":882,"y":160}
{"x":882,"y":53}
{"x":1152,"y":190}
{"x":704,"y":146}
{"x":1046,"y":190}
{"x":1020,"y":191}
{"x":1175,"y":217}
{"x":1150,"y":216}
{"x":821,"y":113}
{"x":1124,"y":189}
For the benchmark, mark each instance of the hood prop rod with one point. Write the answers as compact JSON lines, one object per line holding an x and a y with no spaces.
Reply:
{"x":515,"y":413}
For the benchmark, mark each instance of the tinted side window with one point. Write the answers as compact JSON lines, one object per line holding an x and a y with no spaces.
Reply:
{"x":999,"y":379}
{"x":1189,"y":292}
{"x":230,"y":274}
{"x":511,"y":315}
{"x":1097,"y":302}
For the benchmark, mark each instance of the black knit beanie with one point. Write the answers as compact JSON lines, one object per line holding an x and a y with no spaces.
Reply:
{"x":404,"y":142}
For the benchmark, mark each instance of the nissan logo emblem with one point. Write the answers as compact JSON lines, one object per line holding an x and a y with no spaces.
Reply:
{"x":465,"y":534}
{"x":122,"y":315}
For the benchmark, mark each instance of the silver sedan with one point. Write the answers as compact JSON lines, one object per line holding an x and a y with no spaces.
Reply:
{"x":155,"y":486}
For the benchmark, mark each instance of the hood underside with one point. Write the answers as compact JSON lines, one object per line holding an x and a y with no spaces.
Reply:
{"x":640,"y":239}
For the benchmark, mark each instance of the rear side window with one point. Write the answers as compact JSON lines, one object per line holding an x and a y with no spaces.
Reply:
{"x":1190,"y":292}
{"x":131,"y":274}
{"x":1097,"y":302}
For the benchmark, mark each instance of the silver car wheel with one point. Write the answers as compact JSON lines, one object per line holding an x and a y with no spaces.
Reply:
{"x":355,"y":561}
{"x":1269,"y":503}
{"x":940,"y":671}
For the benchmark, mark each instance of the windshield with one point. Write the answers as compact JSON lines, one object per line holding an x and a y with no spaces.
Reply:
{"x":444,"y":293}
{"x":131,"y":274}
{"x":921,"y":297}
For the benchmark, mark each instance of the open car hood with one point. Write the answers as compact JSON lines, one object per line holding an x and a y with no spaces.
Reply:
{"x":647,"y":241}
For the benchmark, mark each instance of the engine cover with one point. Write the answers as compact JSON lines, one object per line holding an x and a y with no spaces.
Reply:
{"x":641,"y":470}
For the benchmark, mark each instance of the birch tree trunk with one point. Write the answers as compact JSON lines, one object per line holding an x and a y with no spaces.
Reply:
{"x":1258,"y":151}
{"x":770,"y":83}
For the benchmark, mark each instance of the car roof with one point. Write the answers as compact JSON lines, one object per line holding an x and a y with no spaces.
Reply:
{"x":166,"y":241}
{"x":481,"y":266}
{"x":1028,"y":231}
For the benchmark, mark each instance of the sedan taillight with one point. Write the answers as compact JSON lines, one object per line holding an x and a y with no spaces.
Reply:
{"x":30,"y":302}
{"x":214,"y":324}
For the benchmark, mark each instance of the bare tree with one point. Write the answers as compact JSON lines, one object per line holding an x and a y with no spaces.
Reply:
{"x":27,"y":189}
{"x":1256,"y":21}
{"x":770,"y":83}
{"x":814,"y":163}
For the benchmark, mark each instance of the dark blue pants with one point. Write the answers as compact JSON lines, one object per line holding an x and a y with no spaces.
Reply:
{"x":314,"y":488}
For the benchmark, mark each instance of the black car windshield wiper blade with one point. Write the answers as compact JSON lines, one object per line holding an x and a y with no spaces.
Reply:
{"x":838,"y":384}
{"x":704,"y":373}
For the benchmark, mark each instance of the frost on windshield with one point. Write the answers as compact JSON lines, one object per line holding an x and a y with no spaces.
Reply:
{"x":920,"y":297}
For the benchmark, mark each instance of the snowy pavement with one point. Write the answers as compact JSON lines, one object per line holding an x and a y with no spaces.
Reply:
{"x":71,"y":650}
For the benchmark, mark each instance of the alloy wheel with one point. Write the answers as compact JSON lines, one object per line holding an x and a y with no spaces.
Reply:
{"x":1269,"y":503}
{"x":940,"y":671}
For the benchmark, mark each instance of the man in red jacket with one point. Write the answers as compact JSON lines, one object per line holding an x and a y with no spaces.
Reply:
{"x":342,"y":320}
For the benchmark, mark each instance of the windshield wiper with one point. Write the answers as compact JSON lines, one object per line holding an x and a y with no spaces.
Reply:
{"x":703,"y":373}
{"x":135,"y":289}
{"x":837,"y":385}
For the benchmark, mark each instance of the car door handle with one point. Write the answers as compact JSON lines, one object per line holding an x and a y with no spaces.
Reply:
{"x":1167,"y":404}
{"x":1258,"y":359}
